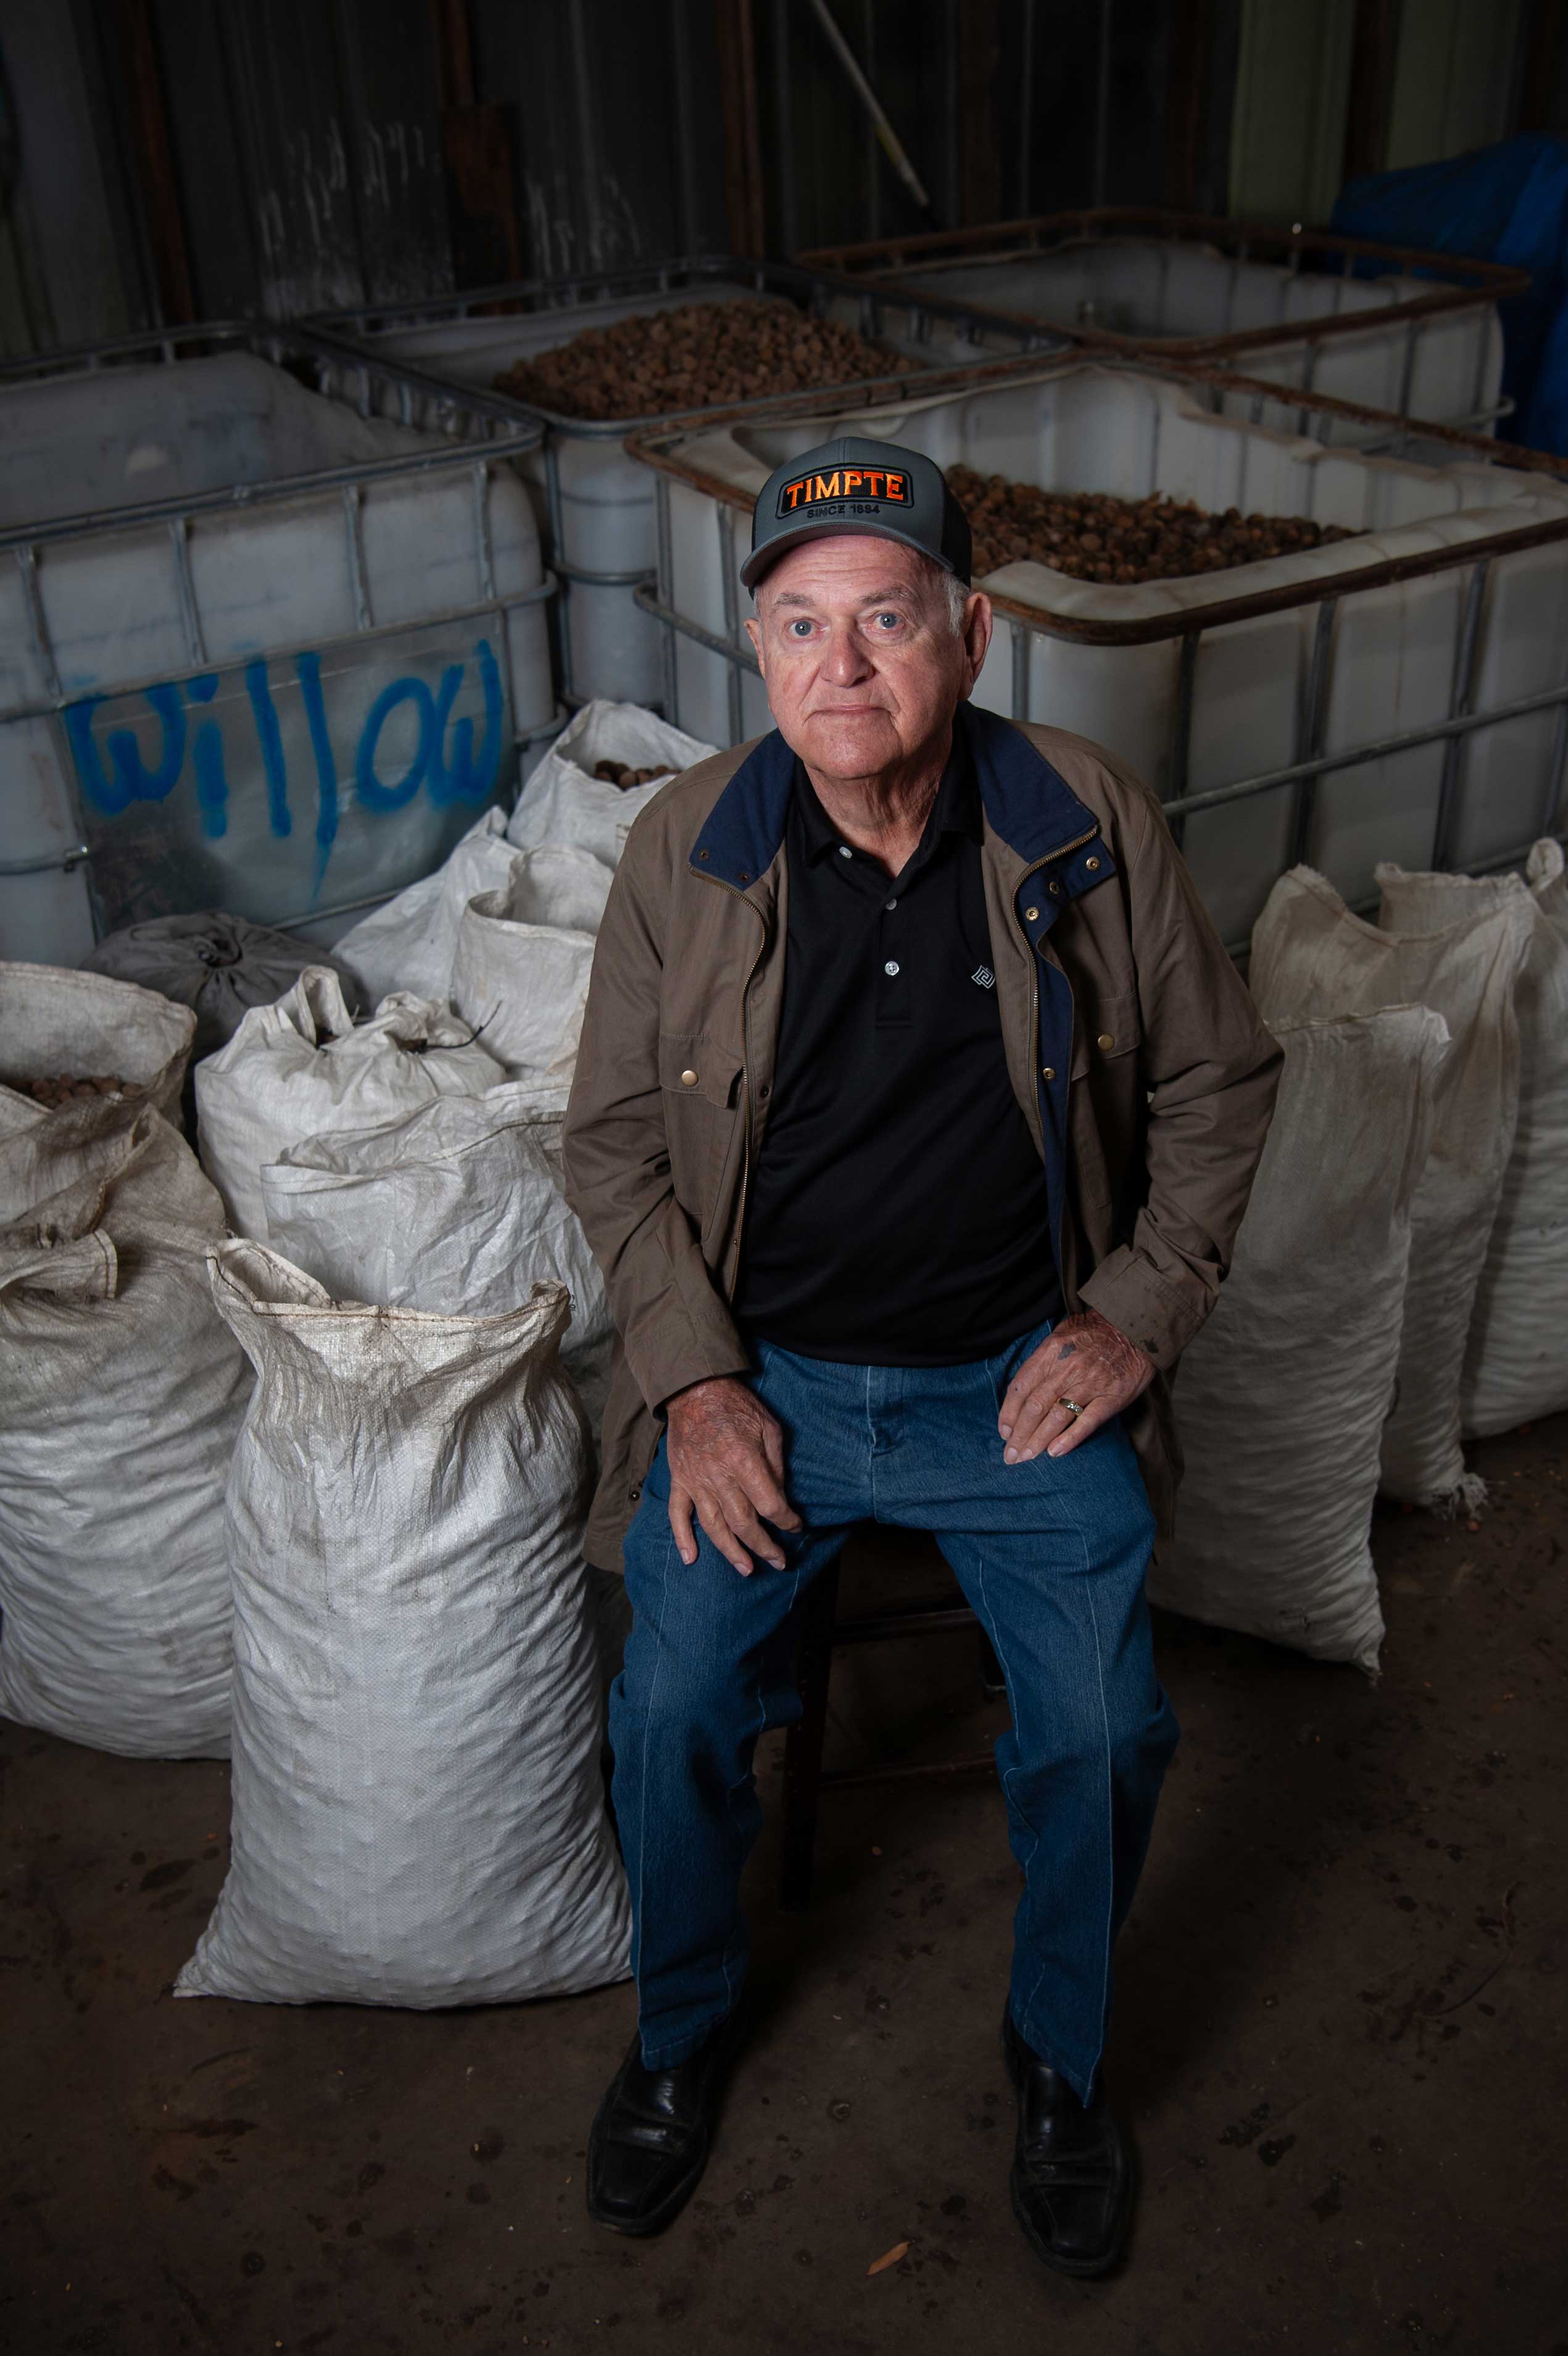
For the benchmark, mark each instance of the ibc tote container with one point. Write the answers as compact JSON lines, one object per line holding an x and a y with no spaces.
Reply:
{"x":596,"y":508}
{"x":1400,"y":695}
{"x":1416,"y":334}
{"x":260,"y":648}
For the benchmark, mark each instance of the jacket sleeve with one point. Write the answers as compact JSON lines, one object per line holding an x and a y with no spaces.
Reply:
{"x":674,"y":1326}
{"x":1211,"y":1070}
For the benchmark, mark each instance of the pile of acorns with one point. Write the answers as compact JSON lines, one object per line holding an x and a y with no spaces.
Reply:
{"x":622,"y":773}
{"x":698,"y":357}
{"x":57,"y":1088}
{"x":1096,"y":537}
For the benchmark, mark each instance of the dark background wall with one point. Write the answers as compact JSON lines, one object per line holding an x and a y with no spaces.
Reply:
{"x":171,"y":160}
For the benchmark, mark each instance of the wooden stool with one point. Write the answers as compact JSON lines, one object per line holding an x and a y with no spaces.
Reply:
{"x":820,"y":1631}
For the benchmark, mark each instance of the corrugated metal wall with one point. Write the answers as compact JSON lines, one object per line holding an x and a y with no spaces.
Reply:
{"x":178,"y":157}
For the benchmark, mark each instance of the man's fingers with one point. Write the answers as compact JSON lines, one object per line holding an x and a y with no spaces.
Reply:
{"x":714,"y":1520}
{"x":773,"y":1505}
{"x":1080,"y":1427}
{"x":681,"y":1504}
{"x":743,"y":1520}
{"x":1034,"y":1412}
{"x":1053,"y":1428}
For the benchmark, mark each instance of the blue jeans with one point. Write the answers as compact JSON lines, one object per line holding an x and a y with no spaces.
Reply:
{"x":1050,"y":1554}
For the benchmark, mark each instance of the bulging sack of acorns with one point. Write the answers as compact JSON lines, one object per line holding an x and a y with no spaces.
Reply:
{"x":120,"y":1395}
{"x":418,"y":1815}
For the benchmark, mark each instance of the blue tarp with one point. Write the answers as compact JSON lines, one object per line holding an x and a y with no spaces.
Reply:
{"x":1506,"y":203}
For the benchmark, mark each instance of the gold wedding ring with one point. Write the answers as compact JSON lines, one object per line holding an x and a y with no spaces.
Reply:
{"x":1071,"y":1406}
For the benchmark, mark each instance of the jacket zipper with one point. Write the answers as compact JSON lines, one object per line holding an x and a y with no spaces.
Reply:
{"x":733,"y":1273}
{"x":1076,"y":844}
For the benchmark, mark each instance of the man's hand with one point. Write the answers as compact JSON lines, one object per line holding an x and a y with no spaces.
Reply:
{"x":725,"y":1454}
{"x":1084,"y":1359}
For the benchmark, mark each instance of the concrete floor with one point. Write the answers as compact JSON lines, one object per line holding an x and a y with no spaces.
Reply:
{"x":1340,"y":2037}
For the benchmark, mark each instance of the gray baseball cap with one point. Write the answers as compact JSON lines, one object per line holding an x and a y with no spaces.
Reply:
{"x":854,"y":486}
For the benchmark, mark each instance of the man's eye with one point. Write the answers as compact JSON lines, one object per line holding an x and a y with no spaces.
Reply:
{"x":800,"y":629}
{"x":889,"y":621}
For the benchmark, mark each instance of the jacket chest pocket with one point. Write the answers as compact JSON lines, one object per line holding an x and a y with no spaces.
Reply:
{"x":701,"y":1086}
{"x":1107,"y":1029}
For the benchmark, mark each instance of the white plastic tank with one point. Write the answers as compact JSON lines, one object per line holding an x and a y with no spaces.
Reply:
{"x":258,"y":651}
{"x":596,"y":508}
{"x":1391,"y":659}
{"x":1185,"y":298}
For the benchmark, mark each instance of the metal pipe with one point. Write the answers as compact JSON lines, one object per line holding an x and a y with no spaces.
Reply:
{"x":1458,"y":704}
{"x":66,"y":861}
{"x":891,"y":144}
{"x":1181,"y":733}
{"x":1315,"y":721}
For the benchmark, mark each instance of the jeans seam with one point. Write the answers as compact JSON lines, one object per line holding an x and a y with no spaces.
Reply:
{"x":1110,"y":1830}
{"x":991,"y":1630}
{"x":647,"y":1737}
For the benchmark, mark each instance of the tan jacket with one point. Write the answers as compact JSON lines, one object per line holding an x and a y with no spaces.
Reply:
{"x":1125,"y":1025}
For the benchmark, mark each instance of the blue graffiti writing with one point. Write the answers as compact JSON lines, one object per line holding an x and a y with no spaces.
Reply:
{"x":450,"y":759}
{"x":207,"y":752}
{"x":366,"y":785}
{"x":461,"y":780}
{"x":269,"y":737}
{"x":129,"y":780}
{"x":309,"y":669}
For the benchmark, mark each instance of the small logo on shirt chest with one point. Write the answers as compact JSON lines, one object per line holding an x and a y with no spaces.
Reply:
{"x":983,"y":976}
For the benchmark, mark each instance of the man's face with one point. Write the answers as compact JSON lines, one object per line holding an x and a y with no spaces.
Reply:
{"x":862,"y":667}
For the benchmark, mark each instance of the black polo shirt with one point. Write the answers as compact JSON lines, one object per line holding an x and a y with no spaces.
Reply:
{"x":898,"y":1212}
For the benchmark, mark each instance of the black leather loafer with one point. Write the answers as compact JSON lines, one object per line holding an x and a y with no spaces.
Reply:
{"x":649,"y":2142}
{"x":1072,"y":2167}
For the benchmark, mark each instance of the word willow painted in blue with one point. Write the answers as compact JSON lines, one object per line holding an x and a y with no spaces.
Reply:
{"x":295,"y":739}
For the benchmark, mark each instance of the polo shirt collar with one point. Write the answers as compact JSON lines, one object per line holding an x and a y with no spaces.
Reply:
{"x":955,"y":809}
{"x":1027,"y":803}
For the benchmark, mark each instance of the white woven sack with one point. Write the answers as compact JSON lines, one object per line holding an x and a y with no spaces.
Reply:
{"x":458,"y":1208}
{"x":1516,"y":1366}
{"x":54,"y":1019}
{"x":408,"y":943}
{"x":1310,"y":955}
{"x":418,"y":1815}
{"x":563,"y":801}
{"x":121,"y":1395}
{"x":1279,"y":1399}
{"x":523,"y":958}
{"x":304,"y":1067}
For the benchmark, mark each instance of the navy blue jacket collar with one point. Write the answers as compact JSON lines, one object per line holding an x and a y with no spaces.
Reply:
{"x":1029,"y":806}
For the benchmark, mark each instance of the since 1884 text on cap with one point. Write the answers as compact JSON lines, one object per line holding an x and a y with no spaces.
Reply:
{"x":849,"y":485}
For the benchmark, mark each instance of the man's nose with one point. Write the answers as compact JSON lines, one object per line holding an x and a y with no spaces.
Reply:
{"x":846,"y":659}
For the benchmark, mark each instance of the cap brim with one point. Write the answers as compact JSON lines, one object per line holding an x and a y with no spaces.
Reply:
{"x":763,"y":558}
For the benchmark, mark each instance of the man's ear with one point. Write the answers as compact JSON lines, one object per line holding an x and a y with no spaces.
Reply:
{"x":977,"y":627}
{"x":754,"y":632}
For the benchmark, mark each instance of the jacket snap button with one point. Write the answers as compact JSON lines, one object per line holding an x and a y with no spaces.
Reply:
{"x":1092,"y":865}
{"x":1029,"y":915}
{"x":634,"y":1494}
{"x":1106,"y":1039}
{"x":1049,"y":1072}
{"x":688,"y":1079}
{"x":1055,"y":890}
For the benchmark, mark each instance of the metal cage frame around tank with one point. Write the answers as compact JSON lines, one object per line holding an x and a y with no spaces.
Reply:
{"x":497,"y":436}
{"x":354,"y":332}
{"x":1024,"y":620}
{"x":878,"y":263}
